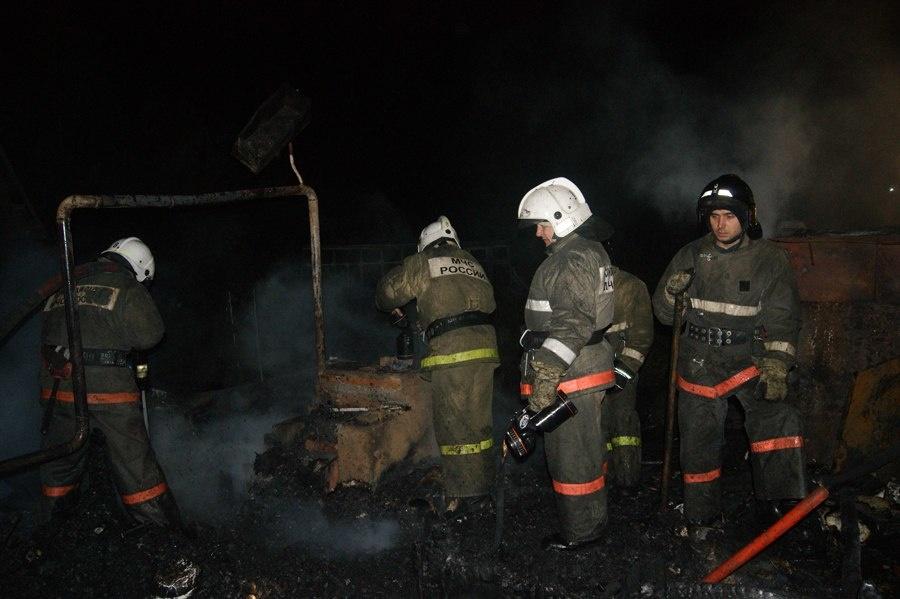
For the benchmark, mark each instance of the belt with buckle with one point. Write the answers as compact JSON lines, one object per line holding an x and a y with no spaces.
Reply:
{"x":718,"y":336}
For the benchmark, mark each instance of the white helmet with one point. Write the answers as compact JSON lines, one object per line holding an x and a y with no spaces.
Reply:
{"x":137,"y":254}
{"x":439,"y":229}
{"x":558,"y":202}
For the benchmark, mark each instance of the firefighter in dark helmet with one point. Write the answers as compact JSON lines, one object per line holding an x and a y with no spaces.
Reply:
{"x":117,"y":317}
{"x":740,"y":339}
{"x":569,"y":307}
{"x":454,"y":301}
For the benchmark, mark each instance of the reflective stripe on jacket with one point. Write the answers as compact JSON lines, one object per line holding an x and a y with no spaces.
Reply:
{"x":570,"y":297}
{"x":750,"y":288}
{"x":631,"y":335}
{"x":444,"y":281}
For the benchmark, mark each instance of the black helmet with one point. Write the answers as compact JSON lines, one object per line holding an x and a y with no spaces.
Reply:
{"x":729,"y":192}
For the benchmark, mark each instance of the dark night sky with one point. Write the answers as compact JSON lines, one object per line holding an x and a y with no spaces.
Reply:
{"x":459,"y":108}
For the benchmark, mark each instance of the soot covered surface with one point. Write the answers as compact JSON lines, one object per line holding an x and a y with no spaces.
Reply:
{"x":288,"y":539}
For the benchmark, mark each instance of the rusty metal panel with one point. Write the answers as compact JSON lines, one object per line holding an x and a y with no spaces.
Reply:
{"x":393,"y":424}
{"x":836,"y":341}
{"x":845,"y":268}
{"x":873,"y":414}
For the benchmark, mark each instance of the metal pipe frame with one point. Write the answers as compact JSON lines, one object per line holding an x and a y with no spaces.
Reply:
{"x":67,"y":265}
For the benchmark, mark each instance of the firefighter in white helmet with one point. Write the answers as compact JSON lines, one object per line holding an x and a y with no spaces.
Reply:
{"x":569,"y":306}
{"x":454,"y":300}
{"x":117,"y":317}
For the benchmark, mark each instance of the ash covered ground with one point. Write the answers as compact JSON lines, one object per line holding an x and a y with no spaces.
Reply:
{"x":286,"y":538}
{"x":262,"y":525}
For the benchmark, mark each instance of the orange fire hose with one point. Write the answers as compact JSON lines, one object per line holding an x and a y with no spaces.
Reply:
{"x":749,"y":551}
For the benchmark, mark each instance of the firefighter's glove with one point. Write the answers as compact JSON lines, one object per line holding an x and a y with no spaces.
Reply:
{"x":543,"y":390}
{"x":773,"y":376}
{"x":678,"y":284}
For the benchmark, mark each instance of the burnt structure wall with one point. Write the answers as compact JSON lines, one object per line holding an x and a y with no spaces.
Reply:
{"x":849,"y":286}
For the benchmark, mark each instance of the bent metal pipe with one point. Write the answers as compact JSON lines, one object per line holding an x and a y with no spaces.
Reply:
{"x":67,"y":266}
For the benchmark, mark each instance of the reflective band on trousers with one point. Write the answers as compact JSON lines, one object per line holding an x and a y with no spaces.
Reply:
{"x":702,"y":477}
{"x":467,"y":449}
{"x":95,"y":398}
{"x":775,"y":444}
{"x":723,"y":388}
{"x":61,"y":491}
{"x":145,"y":495}
{"x":463,"y":356}
{"x":587,"y":382}
{"x":579,"y":384}
{"x":579,"y":488}
{"x":624,"y":441}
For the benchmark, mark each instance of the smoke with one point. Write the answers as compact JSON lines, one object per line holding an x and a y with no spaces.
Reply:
{"x":209,"y":459}
{"x":644,"y":106}
{"x":288,"y":523}
{"x":26,"y":264}
{"x":806,"y":112}
{"x":280,"y":336}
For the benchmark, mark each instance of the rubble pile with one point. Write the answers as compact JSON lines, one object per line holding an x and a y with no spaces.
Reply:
{"x":290,"y":538}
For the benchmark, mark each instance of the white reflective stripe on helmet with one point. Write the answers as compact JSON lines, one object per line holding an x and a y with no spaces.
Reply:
{"x":725,"y":308}
{"x":718,"y":192}
{"x":632,"y":353}
{"x":782,"y":346}
{"x":538,"y":306}
{"x":560,"y":349}
{"x":619,"y":326}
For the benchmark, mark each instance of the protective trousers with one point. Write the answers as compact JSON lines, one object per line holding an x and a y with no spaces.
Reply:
{"x":138,"y":477}
{"x":575,"y":460}
{"x":776,"y":449}
{"x":462,"y":398}
{"x":622,"y":431}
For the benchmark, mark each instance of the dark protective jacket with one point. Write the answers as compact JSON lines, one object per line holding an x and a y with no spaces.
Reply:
{"x":116,"y":312}
{"x":571,"y":297}
{"x":444,"y":281}
{"x":747,"y":291}
{"x":743,"y":306}
{"x":631,"y":333}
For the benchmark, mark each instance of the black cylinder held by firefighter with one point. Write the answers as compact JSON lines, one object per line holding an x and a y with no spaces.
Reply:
{"x":520,"y":436}
{"x":406,"y":349}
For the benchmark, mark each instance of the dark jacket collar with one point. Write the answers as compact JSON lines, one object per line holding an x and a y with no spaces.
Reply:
{"x":561,"y":243}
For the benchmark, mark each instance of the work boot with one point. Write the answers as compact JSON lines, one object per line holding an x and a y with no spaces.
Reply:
{"x":556,"y":542}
